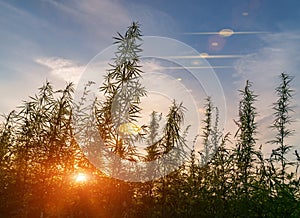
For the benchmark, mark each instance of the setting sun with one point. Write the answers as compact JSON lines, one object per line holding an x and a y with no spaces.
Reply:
{"x":135,"y":109}
{"x":81,"y":177}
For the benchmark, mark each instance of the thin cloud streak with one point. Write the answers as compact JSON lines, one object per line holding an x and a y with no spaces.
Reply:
{"x":198,"y":67}
{"x":206,"y":56}
{"x":233,"y":33}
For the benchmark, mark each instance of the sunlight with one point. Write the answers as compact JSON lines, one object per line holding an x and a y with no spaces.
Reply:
{"x":129,"y":128}
{"x":81,"y":178}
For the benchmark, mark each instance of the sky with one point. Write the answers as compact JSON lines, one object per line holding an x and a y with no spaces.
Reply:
{"x":56,"y":40}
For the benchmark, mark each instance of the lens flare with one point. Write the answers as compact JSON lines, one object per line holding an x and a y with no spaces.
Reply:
{"x":129,"y":128}
{"x":226,"y":32}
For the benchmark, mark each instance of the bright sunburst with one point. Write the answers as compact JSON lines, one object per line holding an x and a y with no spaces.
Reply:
{"x":81,"y":177}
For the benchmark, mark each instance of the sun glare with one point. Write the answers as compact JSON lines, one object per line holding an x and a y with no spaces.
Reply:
{"x":129,"y":128}
{"x":81,"y":177}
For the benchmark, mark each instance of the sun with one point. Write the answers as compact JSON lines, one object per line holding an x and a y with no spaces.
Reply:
{"x":81,"y":177}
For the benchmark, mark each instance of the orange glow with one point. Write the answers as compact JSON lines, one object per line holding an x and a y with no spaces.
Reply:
{"x":81,"y":178}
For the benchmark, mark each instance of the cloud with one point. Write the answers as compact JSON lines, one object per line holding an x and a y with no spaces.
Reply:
{"x":153,"y":20}
{"x":280,"y":54}
{"x":100,"y":20}
{"x":62,"y":68}
{"x":97,"y":20}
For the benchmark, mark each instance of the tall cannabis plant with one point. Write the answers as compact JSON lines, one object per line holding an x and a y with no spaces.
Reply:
{"x":282,"y":120}
{"x":211,"y":133}
{"x":118,"y":113}
{"x":245,"y":151}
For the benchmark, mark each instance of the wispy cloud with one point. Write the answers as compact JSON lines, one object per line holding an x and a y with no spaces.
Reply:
{"x":203,"y":55}
{"x":153,"y":20}
{"x":227,"y":33}
{"x":62,"y":68}
{"x":197,"y":67}
{"x":281,"y":54}
{"x":97,"y":18}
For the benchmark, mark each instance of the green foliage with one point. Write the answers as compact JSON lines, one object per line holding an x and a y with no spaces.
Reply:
{"x":153,"y":149}
{"x":40,"y":151}
{"x":282,"y":119}
{"x":211,"y":134}
{"x":245,"y":152}
{"x":122,"y":90}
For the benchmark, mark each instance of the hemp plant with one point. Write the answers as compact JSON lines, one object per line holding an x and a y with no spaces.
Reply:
{"x":117,"y":114}
{"x":282,"y":120}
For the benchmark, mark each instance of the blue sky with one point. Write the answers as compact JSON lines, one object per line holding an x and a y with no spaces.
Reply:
{"x":55,"y":40}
